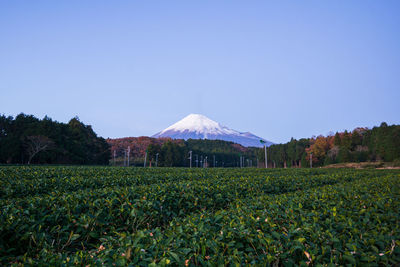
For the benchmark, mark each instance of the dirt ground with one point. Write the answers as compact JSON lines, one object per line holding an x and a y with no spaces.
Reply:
{"x":364,"y":165}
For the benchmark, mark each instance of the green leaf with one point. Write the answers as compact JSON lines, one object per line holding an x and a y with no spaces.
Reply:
{"x":349,"y":259}
{"x":175,"y":256}
{"x":301,"y":239}
{"x":75,"y":236}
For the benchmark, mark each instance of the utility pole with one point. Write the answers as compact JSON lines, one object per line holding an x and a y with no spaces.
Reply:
{"x":190,"y":158}
{"x":201,"y":161}
{"x":145,"y":159}
{"x":114,"y":156}
{"x":129,"y":152}
{"x":124,"y":157}
{"x":311,"y":160}
{"x":157,"y":159}
{"x":266,"y":160}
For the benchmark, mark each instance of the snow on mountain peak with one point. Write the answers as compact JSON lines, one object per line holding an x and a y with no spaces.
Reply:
{"x":197,"y":126}
{"x":200,"y":124}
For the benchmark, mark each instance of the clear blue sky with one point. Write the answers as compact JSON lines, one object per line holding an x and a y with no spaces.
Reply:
{"x":278,"y":69}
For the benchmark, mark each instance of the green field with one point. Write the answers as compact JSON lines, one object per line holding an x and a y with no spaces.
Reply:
{"x":176,"y":216}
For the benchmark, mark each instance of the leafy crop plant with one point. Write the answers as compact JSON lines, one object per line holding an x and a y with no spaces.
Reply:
{"x":66,"y":216}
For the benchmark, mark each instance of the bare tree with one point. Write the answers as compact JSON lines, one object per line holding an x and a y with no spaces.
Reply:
{"x":333,"y":152}
{"x":37,"y":143}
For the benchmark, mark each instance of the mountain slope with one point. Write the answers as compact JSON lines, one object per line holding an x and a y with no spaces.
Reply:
{"x":197,"y":126}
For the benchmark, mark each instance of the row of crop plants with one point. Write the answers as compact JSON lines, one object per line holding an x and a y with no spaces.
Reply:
{"x":201,"y":217}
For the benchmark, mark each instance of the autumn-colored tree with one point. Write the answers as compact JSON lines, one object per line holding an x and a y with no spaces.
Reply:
{"x":320,"y":148}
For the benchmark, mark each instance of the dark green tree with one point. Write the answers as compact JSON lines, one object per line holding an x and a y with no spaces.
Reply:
{"x":356,"y":139}
{"x":346,"y":140}
{"x":72,"y":143}
{"x":337,"y":141}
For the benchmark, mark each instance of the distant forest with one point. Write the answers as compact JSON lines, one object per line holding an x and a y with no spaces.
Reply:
{"x":26,"y":139}
{"x":362,"y":144}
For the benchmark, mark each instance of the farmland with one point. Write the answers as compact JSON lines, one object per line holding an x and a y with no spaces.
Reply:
{"x":178,"y":216}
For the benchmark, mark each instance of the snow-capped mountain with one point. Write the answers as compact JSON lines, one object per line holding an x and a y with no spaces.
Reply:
{"x":197,"y":126}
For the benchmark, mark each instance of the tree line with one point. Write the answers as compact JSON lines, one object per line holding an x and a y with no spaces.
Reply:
{"x":27,"y":139}
{"x":175,"y":152}
{"x":362,"y":144}
{"x":205,"y":153}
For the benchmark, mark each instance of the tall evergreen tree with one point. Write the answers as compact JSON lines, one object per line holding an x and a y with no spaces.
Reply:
{"x":337,"y":140}
{"x":356,"y":139}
